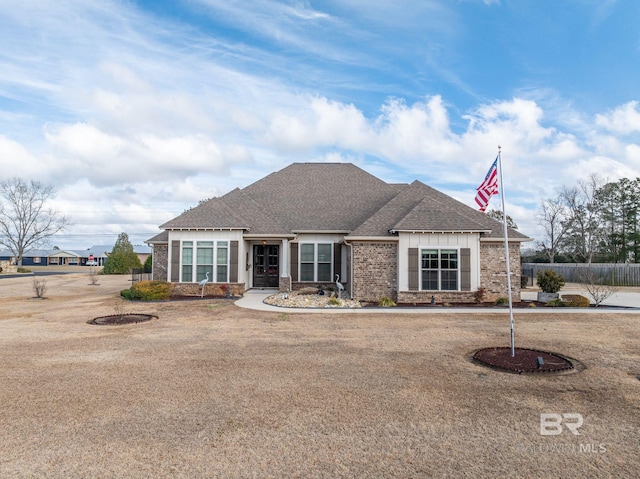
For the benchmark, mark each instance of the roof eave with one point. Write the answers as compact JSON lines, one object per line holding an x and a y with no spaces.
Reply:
{"x":208,"y":228}
{"x":371,"y":238}
{"x":419,"y":231}
{"x":493,"y":239}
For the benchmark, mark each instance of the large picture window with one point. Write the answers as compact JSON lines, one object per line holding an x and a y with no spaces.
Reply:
{"x":210,"y":257}
{"x":316,"y":262}
{"x":439,"y":269}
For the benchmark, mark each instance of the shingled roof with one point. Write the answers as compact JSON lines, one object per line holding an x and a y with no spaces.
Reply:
{"x":340,"y":197}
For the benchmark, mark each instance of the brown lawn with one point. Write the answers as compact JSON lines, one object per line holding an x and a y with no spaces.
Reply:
{"x":213,"y":390}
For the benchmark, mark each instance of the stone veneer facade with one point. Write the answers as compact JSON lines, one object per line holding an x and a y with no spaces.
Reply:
{"x":160,"y":262}
{"x":376,"y":275}
{"x":493,"y":272}
{"x":375,"y":270}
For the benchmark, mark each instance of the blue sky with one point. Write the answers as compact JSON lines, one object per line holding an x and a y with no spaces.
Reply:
{"x":136,"y":110}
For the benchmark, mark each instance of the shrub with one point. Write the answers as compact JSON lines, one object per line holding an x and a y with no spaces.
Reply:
{"x":39,"y":286}
{"x":524,"y":281}
{"x":549,"y":281}
{"x":502,"y":301}
{"x":126,"y":294}
{"x":334,"y":302}
{"x":148,"y":291}
{"x":386,"y":301}
{"x":479,"y":295}
{"x":576,"y":301}
{"x":556,"y":303}
{"x":23,"y":270}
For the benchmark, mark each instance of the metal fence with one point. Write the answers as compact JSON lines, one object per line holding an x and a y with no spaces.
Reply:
{"x":140,"y":274}
{"x":616,"y":274}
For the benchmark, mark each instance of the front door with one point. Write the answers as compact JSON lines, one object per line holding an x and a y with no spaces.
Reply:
{"x":265,"y":266}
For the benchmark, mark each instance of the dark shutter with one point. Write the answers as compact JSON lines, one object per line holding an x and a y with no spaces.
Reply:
{"x":233,"y":262}
{"x":293,"y":262}
{"x":414,"y":279}
{"x":175,"y":261}
{"x":337,"y":261}
{"x":465,"y":269}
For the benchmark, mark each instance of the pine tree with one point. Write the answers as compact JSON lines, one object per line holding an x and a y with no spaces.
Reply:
{"x":122,"y":258}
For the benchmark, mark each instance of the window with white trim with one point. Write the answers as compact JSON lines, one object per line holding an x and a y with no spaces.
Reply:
{"x":210,"y":257}
{"x":316,"y":262}
{"x":439,"y":269}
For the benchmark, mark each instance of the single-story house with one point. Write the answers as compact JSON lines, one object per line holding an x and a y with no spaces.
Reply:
{"x":44,"y":257}
{"x":310,"y":223}
{"x":58,"y":257}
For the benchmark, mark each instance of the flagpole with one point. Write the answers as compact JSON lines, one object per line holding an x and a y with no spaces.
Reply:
{"x":506,"y":251}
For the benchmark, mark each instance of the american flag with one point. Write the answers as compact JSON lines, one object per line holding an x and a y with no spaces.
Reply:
{"x":488,"y":188}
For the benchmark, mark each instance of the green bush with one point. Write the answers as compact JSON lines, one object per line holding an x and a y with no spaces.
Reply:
{"x":386,"y":301}
{"x":148,"y":263}
{"x":576,"y":301}
{"x":549,"y":281}
{"x":524,"y":281}
{"x":126,"y":294}
{"x":23,"y":270}
{"x":148,"y":291}
{"x":556,"y":303}
{"x":502,"y":301}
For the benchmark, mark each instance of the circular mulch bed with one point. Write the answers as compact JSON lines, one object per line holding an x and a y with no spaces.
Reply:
{"x":524,"y":361}
{"x":118,"y":319}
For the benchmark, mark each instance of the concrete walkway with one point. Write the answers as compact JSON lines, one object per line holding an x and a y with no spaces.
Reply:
{"x":626,"y":298}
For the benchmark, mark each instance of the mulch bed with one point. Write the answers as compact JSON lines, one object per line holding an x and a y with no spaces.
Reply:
{"x":524,"y":361}
{"x":118,"y":319}
{"x":519,"y":305}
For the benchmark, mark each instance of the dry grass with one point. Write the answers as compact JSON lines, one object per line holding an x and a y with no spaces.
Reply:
{"x":212,"y":390}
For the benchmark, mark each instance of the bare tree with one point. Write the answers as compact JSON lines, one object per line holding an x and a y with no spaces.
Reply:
{"x":555,"y":222}
{"x":25,"y":220}
{"x":498,"y":215}
{"x":596,"y":285}
{"x":584,"y":230}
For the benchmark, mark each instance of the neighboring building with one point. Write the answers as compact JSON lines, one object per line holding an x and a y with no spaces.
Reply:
{"x":57,"y":257}
{"x":307,"y":223}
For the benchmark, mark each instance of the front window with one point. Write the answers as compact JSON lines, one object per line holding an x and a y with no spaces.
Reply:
{"x":210,"y":257}
{"x":439,"y":269}
{"x":316,"y":262}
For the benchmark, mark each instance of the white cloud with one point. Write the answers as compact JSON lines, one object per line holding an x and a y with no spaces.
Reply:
{"x":623,"y":120}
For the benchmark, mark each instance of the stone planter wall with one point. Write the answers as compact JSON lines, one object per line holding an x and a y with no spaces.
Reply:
{"x":546,"y":297}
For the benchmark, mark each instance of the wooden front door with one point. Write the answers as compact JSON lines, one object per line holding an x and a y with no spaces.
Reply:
{"x":265,"y":266}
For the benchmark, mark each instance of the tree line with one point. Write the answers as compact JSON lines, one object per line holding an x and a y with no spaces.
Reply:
{"x":594,"y":221}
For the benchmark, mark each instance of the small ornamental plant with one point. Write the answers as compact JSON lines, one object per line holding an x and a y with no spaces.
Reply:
{"x":549,"y":281}
{"x":386,"y":302}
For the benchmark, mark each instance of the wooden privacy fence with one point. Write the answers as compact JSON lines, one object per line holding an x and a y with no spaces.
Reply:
{"x":615,"y":274}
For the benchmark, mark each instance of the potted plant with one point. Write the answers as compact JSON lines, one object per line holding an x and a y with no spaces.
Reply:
{"x":550,"y":283}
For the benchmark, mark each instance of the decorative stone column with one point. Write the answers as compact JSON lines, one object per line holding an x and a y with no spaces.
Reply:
{"x":284,"y":283}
